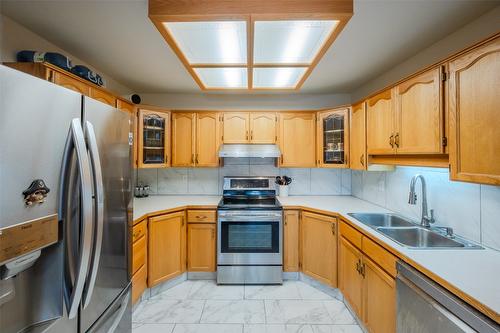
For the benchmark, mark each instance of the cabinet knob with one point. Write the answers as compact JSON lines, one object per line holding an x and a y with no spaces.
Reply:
{"x":391,"y":140}
{"x":396,"y":140}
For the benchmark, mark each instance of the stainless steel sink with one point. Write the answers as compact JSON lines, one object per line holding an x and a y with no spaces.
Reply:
{"x":418,"y":237}
{"x":376,"y":220}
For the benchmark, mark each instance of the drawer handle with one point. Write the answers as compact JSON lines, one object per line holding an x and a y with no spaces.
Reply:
{"x":201,"y":216}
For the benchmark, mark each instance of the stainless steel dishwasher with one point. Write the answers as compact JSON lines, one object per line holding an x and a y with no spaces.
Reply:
{"x":425,"y":307}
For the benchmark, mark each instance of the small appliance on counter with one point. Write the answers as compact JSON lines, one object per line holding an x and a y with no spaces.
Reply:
{"x":250,"y":232}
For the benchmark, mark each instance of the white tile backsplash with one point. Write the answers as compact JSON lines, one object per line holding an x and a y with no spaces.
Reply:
{"x":208,"y":181}
{"x":472,"y":210}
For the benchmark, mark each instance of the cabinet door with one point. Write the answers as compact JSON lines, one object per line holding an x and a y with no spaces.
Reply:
{"x":183,"y":139}
{"x":236,"y":127}
{"x":166,"y":247}
{"x":380,"y":124}
{"x":291,"y":241}
{"x":297,"y":139}
{"x":319,"y":247}
{"x":139,"y":283}
{"x":201,"y":247}
{"x":154,"y":139}
{"x":351,"y":281}
{"x":474,"y":118}
{"x":102,"y":96}
{"x":70,"y":83}
{"x":420,"y":114}
{"x":207,"y":139}
{"x":262,"y":127}
{"x":333,"y":139}
{"x":357,"y":137}
{"x":379,"y":299}
{"x":125,"y":106}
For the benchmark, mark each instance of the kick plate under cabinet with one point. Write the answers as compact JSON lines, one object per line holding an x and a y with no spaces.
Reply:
{"x":27,"y":237}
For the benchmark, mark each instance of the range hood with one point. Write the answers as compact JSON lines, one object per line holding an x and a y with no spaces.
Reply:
{"x":249,"y":150}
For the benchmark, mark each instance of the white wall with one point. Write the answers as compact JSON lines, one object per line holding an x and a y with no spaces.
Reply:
{"x":15,"y":37}
{"x":475,"y":31}
{"x":208,"y":181}
{"x":246,"y":101}
{"x":472,"y":210}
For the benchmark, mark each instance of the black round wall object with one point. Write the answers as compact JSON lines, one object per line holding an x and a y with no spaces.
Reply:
{"x":136,"y":99}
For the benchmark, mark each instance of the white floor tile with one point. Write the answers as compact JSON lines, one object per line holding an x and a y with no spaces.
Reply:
{"x":180,"y":291}
{"x":336,"y":329}
{"x":286,"y":291}
{"x":296,"y":312}
{"x":208,"y":328}
{"x":152,"y":328}
{"x":169,"y":311}
{"x":339,"y":312}
{"x":277,"y":328}
{"x":310,"y":293}
{"x":210,"y":290}
{"x":236,"y":312}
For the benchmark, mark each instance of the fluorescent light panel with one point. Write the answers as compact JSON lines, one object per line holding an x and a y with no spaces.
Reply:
{"x":214,"y":42}
{"x":290,"y":42}
{"x":277,"y":78}
{"x":226,"y":78}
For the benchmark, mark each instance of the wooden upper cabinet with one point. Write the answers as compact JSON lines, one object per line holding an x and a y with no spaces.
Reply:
{"x":357,"y":137}
{"x":263,"y":127}
{"x":297,"y":139}
{"x":183,"y":130}
{"x":201,"y":247}
{"x":208,"y":139}
{"x":379,"y":299}
{"x":291,"y":241}
{"x":380,"y":124}
{"x":154,"y":139}
{"x":166,"y":247}
{"x":420,"y":119}
{"x":70,"y":83}
{"x":350,"y":280}
{"x":102,"y":96}
{"x":319,"y":247}
{"x":125,"y":106}
{"x":474,"y":99}
{"x":236,"y":127}
{"x":333,"y":138}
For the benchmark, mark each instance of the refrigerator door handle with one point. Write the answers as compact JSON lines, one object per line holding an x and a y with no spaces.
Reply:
{"x":74,"y":284}
{"x":98,"y":211}
{"x":119,"y":316}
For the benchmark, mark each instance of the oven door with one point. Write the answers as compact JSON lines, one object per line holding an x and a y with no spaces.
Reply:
{"x":250,"y":238}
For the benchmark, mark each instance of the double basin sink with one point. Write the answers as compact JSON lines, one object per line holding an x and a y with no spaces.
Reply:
{"x":410,"y":234}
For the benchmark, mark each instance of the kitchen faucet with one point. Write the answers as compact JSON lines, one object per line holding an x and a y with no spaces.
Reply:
{"x":412,"y":200}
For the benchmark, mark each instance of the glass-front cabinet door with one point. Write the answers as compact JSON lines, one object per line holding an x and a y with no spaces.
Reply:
{"x":154,"y":139}
{"x":333,"y":139}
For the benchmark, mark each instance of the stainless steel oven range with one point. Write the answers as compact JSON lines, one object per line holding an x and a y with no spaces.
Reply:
{"x":250,"y":232}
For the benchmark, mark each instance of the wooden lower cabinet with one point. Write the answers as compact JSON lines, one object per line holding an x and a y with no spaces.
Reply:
{"x":319,"y":247}
{"x":139,"y":283}
{"x":379,"y":299}
{"x":139,"y":267}
{"x":167,"y":247}
{"x":201,"y":247}
{"x":351,"y":282}
{"x":291,"y":241}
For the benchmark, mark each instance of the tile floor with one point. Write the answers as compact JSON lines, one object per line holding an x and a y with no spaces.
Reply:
{"x":204,"y":307}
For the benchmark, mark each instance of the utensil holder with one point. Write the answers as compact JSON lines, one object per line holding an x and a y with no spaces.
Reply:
{"x":283,"y":190}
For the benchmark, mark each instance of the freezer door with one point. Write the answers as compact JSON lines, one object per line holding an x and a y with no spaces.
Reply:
{"x":108,"y":272}
{"x":118,"y":317}
{"x":35,"y":116}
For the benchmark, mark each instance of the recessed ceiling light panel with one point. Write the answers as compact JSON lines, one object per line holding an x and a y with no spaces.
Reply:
{"x":277,"y":78}
{"x":223,"y":78}
{"x":290,"y":42}
{"x":212,"y":42}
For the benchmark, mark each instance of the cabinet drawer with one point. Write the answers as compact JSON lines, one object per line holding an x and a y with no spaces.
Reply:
{"x":351,"y":234}
{"x":103,"y":96}
{"x":139,"y":283}
{"x":138,"y":254}
{"x":138,"y":231}
{"x":201,"y":216}
{"x":379,"y":255}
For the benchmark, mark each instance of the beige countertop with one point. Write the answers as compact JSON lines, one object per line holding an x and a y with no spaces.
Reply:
{"x":475,"y":273}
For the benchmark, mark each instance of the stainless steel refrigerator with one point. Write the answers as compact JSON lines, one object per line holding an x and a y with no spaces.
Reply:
{"x":65,"y":204}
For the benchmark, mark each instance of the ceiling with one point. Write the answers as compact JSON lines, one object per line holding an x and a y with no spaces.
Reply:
{"x":117,"y":36}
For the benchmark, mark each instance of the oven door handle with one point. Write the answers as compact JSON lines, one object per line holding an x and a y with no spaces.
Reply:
{"x":250,"y":218}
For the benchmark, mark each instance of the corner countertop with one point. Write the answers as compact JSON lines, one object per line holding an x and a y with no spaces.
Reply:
{"x":471,"y":274}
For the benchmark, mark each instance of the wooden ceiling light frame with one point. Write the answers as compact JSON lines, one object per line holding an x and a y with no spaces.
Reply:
{"x":250,"y":11}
